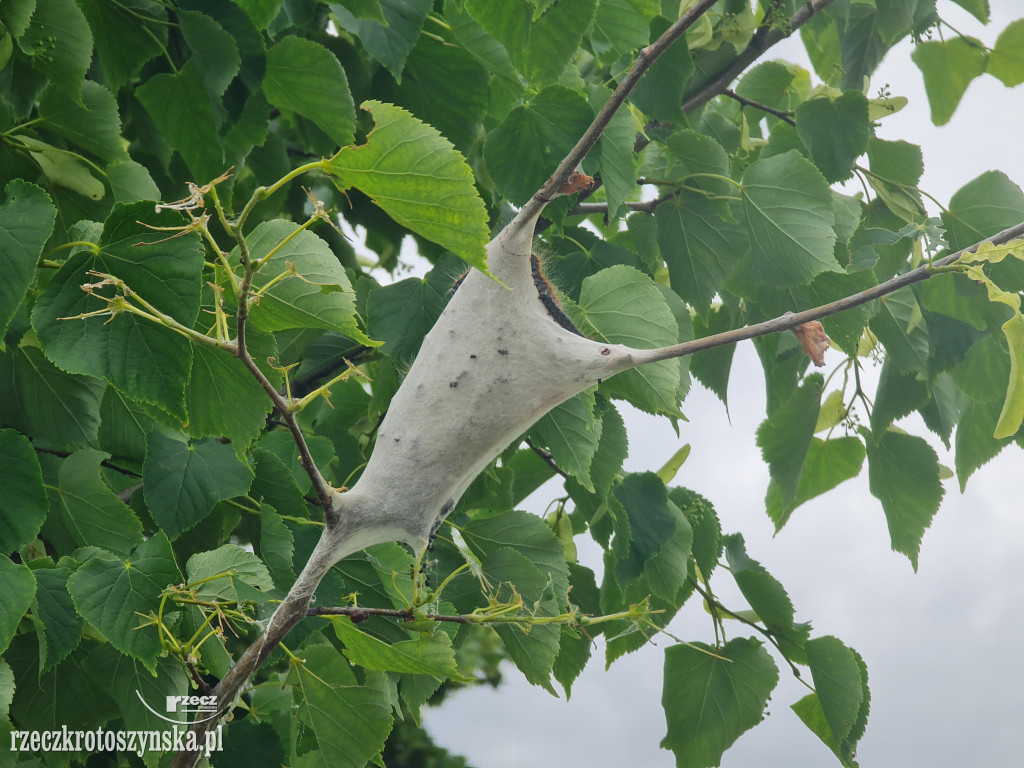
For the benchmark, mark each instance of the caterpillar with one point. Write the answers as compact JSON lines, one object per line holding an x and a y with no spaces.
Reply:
{"x":549,"y":297}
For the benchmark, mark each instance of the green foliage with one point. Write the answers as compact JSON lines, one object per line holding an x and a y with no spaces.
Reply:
{"x":178,"y":304}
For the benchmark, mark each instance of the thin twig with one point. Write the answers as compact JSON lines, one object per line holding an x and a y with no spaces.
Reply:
{"x":647,"y":57}
{"x":789,"y":321}
{"x":782,"y":115}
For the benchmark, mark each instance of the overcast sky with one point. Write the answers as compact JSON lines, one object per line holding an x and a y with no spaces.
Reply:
{"x":942,"y":646}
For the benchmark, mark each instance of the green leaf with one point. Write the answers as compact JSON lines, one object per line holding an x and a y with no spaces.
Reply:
{"x":228,"y":572}
{"x":262,"y":12}
{"x":903,"y":330}
{"x":213,"y":49}
{"x":981,"y":208}
{"x":619,"y":28}
{"x":26,"y":221}
{"x":785,"y":438}
{"x":59,"y":42}
{"x":18,"y":586}
{"x":446,"y":87}
{"x":1012,"y":414}
{"x":903,"y":474}
{"x":183,"y":482}
{"x":94,"y":125}
{"x":776,"y":84}
{"x":660,"y":537}
{"x":57,"y":623}
{"x":306,"y":78}
{"x":788,"y":208}
{"x":84,"y":511}
{"x":390,"y":39}
{"x":710,"y":702}
{"x":838,"y":683}
{"x":120,"y":47}
{"x":64,"y":168}
{"x":131,"y":182}
{"x":659,"y":94}
{"x":223,"y":398}
{"x":416,"y":176}
{"x":60,"y":409}
{"x":540,"y":46}
{"x":948,"y":67}
{"x":861,"y":44}
{"x":835,"y":132}
{"x":624,"y":306}
{"x":347,"y":723}
{"x":712,"y":367}
{"x":400,"y":315}
{"x":977,"y":8}
{"x":526,"y":534}
{"x":116,"y":596}
{"x":828,"y":463}
{"x":139,"y":691}
{"x":313,"y":292}
{"x":183,"y":113}
{"x":700,"y":249}
{"x":523,"y":151}
{"x":428,"y":655}
{"x":618,"y":162}
{"x":365,"y":9}
{"x":146,"y":361}
{"x":24,"y":508}
{"x":762,"y":591}
{"x":1006,"y":59}
{"x":572,"y":434}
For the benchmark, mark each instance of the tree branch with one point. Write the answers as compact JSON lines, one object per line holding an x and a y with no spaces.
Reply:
{"x":647,"y":57}
{"x":786,"y":116}
{"x":790,"y":321}
{"x":763,"y":39}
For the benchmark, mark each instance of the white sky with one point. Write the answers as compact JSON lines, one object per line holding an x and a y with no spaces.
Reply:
{"x":942,"y":646}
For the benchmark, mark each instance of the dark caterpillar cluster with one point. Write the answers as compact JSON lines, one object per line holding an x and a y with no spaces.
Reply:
{"x":549,"y":298}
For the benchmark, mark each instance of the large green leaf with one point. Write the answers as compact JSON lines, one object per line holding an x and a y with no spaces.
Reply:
{"x":183,"y":482}
{"x":229,"y":573}
{"x":60,"y":409}
{"x":302,"y":284}
{"x":712,"y":695}
{"x":306,"y":78}
{"x":539,"y":44}
{"x":94,"y":125}
{"x":417,"y":177}
{"x":1006,"y":59}
{"x":26,"y":220}
{"x":835,"y":132}
{"x":625,"y":307}
{"x":762,"y":591}
{"x":785,"y":438}
{"x":23,"y":509}
{"x":120,"y":47}
{"x":948,"y":67}
{"x":57,"y":622}
{"x":523,"y":151}
{"x":214,"y":50}
{"x":400,"y":315}
{"x":903,"y":474}
{"x":788,"y":207}
{"x":391,"y":39}
{"x":84,"y":511}
{"x":839,"y":684}
{"x":18,"y":586}
{"x":828,"y":463}
{"x":224,"y":399}
{"x":526,"y":534}
{"x":572,"y":434}
{"x":181,"y":110}
{"x":347,"y":723}
{"x":116,"y":596}
{"x":903,"y":330}
{"x":59,"y":42}
{"x":425,"y":655}
{"x":700,"y":249}
{"x":146,"y":361}
{"x":981,"y":208}
{"x":660,"y":537}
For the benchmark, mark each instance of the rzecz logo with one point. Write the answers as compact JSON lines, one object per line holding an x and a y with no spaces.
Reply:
{"x":202,"y":707}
